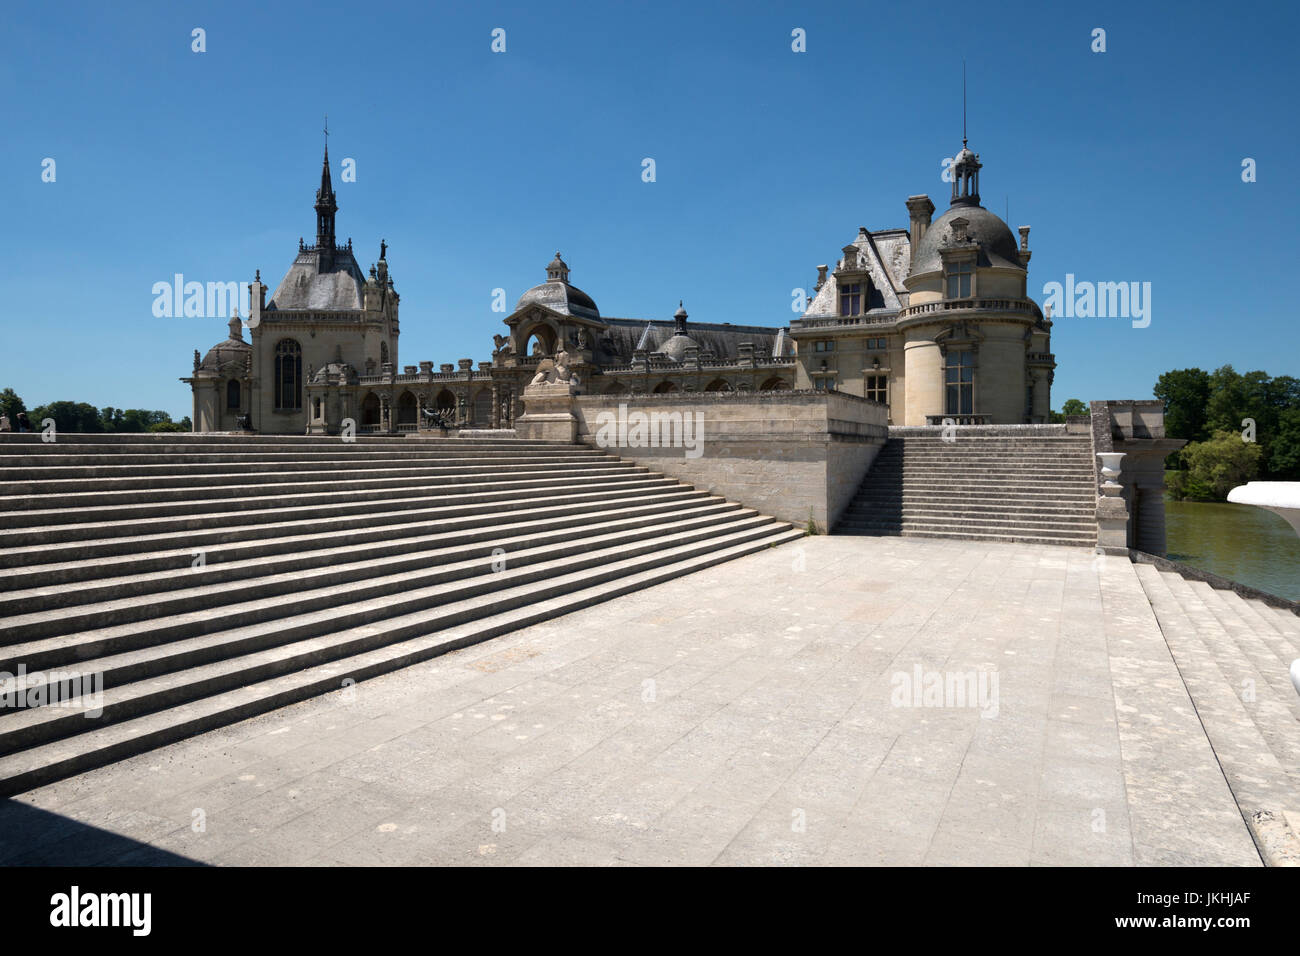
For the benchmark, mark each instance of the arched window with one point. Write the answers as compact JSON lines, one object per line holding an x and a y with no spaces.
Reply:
{"x":232,"y":394}
{"x":406,"y":409}
{"x":288,"y":375}
{"x":383,"y":354}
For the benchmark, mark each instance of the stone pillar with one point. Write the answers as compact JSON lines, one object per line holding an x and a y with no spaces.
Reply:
{"x":1112,"y":513}
{"x":495,"y":417}
{"x":922,"y":380}
{"x":548,"y":413}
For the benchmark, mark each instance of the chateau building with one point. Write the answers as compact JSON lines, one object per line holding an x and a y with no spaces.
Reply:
{"x":933,"y":321}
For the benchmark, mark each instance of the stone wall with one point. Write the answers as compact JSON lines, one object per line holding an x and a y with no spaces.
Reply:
{"x":796,"y":455}
{"x":1136,"y":427}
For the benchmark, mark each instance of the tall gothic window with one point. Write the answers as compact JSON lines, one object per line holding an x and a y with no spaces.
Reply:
{"x":288,"y":375}
{"x":959,"y":280}
{"x":232,"y":394}
{"x":959,"y":383}
{"x":383,"y":355}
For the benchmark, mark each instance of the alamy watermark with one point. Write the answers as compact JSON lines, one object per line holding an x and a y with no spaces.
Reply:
{"x":922,"y":688}
{"x":1101,"y":300}
{"x":23,"y":691}
{"x":206,"y":300}
{"x":626,"y":429}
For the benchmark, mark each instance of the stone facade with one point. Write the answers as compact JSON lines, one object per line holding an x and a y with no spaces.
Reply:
{"x":796,"y":455}
{"x":933,"y":321}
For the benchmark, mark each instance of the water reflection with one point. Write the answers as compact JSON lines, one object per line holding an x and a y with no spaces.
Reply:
{"x":1240,"y":542}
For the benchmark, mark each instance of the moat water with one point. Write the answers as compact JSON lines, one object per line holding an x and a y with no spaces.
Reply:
{"x":1240,"y":542}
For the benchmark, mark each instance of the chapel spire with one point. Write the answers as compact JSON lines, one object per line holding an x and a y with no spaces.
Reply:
{"x":326,"y":205}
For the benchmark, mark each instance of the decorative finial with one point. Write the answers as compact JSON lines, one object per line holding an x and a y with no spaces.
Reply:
{"x":383,"y":248}
{"x":963,"y":102}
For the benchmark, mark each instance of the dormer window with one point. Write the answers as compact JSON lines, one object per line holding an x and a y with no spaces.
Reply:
{"x":851,"y":298}
{"x":960,"y":276}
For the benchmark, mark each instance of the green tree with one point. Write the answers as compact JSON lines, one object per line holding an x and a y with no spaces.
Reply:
{"x":1215,"y":466}
{"x":11,"y":404}
{"x":1284,"y":446}
{"x":1186,"y":393}
{"x":68,"y":417}
{"x":1073,"y":406}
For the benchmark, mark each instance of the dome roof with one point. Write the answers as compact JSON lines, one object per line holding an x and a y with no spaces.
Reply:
{"x":675,"y":348}
{"x":560,"y":297}
{"x":233,"y":349}
{"x":998,"y":247}
{"x":557,"y":295}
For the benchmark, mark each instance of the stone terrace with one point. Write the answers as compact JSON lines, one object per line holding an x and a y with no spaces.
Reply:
{"x":740,"y":715}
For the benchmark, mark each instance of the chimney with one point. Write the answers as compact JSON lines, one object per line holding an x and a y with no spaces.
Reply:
{"x":919,"y":211}
{"x":1024,"y":246}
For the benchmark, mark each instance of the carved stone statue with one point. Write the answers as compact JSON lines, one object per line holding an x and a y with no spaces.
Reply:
{"x":545,"y":373}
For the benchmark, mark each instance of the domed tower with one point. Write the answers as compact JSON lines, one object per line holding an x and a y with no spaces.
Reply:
{"x":221,"y":382}
{"x":976,"y":347}
{"x":677,"y":345}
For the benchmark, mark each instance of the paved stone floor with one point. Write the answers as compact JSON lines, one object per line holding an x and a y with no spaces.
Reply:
{"x":754,"y":713}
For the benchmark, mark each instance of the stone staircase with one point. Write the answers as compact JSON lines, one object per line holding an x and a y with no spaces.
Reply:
{"x":1234,"y":655}
{"x":1025,"y":483}
{"x":205,"y":579}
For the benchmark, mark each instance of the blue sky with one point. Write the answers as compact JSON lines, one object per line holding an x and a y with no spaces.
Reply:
{"x":477,"y":166}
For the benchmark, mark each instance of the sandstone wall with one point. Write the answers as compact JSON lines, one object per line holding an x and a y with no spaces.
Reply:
{"x":794,"y":455}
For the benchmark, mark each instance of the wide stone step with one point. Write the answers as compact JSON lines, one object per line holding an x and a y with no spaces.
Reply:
{"x":126,"y":654}
{"x":959,"y":515}
{"x":70,"y":478}
{"x":201,"y":490}
{"x":448,"y":505}
{"x":1265,"y":666}
{"x":29,"y":441}
{"x":1026,"y":491}
{"x":938,"y":523}
{"x":256,"y":497}
{"x":310,"y":547}
{"x":306,"y":669}
{"x":130,"y":622}
{"x":1259,"y":782}
{"x":1009,"y":537}
{"x":313,"y":552}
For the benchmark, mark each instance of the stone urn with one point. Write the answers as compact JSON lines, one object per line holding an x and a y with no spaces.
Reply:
{"x":1110,"y":469}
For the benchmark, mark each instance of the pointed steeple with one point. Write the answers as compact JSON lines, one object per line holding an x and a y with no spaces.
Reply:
{"x":326,"y":207}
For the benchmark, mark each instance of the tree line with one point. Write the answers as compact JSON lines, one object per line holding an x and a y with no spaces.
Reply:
{"x":83,"y":417}
{"x":1238,"y":428}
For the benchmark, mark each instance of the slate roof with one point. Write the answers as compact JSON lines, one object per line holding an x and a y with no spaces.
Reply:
{"x":625,"y":335}
{"x":998,"y":247}
{"x":886,"y":255}
{"x":305,"y":286}
{"x":560,"y":297}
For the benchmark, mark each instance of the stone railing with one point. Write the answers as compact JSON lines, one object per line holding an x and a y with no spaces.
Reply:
{"x":957,"y":419}
{"x":843,"y":321}
{"x":961,"y":305}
